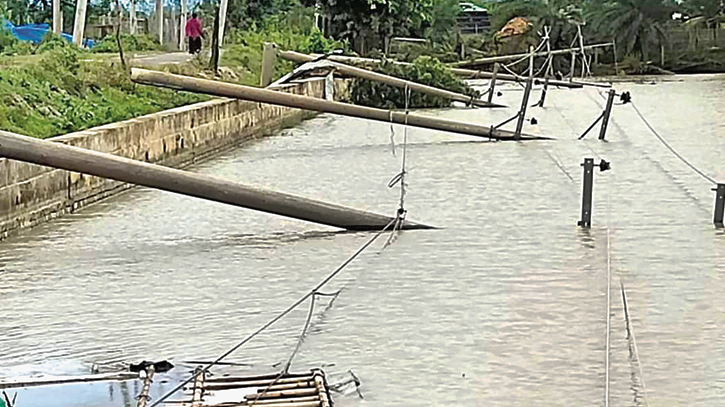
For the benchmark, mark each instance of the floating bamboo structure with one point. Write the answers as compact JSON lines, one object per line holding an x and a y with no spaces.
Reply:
{"x":275,"y":390}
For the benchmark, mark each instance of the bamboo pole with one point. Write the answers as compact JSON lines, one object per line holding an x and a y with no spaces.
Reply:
{"x":272,"y":402}
{"x":44,"y":381}
{"x":503,"y":58}
{"x":312,"y":391}
{"x":144,"y":397}
{"x":309,"y":103}
{"x":122,"y":169}
{"x":390,"y":80}
{"x":321,"y":385}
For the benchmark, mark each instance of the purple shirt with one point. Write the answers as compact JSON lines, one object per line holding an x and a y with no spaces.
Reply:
{"x":193,"y":28}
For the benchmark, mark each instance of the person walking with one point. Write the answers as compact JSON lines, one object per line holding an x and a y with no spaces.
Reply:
{"x":194,"y":32}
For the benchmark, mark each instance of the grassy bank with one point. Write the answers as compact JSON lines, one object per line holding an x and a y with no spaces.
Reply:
{"x":60,"y":93}
{"x":55,"y":88}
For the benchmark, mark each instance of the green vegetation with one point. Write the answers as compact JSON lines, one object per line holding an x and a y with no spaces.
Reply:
{"x":244,"y":51}
{"x":425,"y":70}
{"x":128,"y":42}
{"x":61,"y":94}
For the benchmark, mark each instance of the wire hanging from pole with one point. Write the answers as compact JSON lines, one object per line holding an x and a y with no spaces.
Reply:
{"x":278,"y":317}
{"x":666,"y":144}
{"x":400,"y":177}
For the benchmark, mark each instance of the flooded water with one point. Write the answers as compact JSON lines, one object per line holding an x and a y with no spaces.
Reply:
{"x":505,"y":305}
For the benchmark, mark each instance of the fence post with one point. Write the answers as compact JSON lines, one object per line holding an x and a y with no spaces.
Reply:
{"x":586,"y":220}
{"x":719,"y":205}
{"x":607,"y":113}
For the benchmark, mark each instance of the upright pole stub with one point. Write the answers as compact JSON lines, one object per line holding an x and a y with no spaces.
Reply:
{"x":269,"y":57}
{"x":719,"y":205}
{"x":586,"y":220}
{"x":607,"y":113}
{"x":492,"y":86}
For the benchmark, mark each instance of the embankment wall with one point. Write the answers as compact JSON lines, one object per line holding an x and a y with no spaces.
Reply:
{"x":31,"y":194}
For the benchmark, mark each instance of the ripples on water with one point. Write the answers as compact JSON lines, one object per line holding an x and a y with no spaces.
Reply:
{"x":505,"y":305}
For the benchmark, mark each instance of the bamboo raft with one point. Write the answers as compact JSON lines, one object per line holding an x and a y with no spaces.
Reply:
{"x":287,"y":390}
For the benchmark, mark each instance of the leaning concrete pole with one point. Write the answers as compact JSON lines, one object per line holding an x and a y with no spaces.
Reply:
{"x":392,"y":81}
{"x":79,"y":24}
{"x":224,"y":89}
{"x":57,"y":20}
{"x":122,"y":169}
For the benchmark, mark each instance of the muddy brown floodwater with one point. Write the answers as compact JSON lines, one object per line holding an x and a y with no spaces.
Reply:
{"x":503,"y":306}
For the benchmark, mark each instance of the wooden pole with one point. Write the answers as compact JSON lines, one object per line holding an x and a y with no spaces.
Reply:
{"x":320,"y":105}
{"x":504,"y":58}
{"x":468,"y":73}
{"x":614,"y":49}
{"x":57,"y":21}
{"x":75,"y":159}
{"x":79,"y":24}
{"x":269,"y":57}
{"x":582,"y":50}
{"x":390,"y":80}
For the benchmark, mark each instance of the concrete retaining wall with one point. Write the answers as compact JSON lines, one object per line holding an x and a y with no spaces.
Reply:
{"x":31,"y":194}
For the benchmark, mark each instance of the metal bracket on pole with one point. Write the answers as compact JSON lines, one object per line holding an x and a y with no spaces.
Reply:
{"x":607,"y":113}
{"x":586,"y":219}
{"x":719,"y":205}
{"x":492,"y":85}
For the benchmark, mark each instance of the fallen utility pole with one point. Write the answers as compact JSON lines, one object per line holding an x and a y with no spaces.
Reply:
{"x":468,"y":73}
{"x":122,"y":169}
{"x":229,"y":90}
{"x":503,"y":58}
{"x":391,"y":80}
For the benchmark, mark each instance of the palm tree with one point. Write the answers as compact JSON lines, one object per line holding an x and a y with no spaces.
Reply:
{"x":635,"y":24}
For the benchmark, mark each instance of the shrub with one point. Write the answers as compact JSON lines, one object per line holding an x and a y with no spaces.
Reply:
{"x":426,"y":70}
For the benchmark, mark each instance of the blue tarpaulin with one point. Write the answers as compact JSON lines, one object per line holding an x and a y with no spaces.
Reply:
{"x":36,"y":32}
